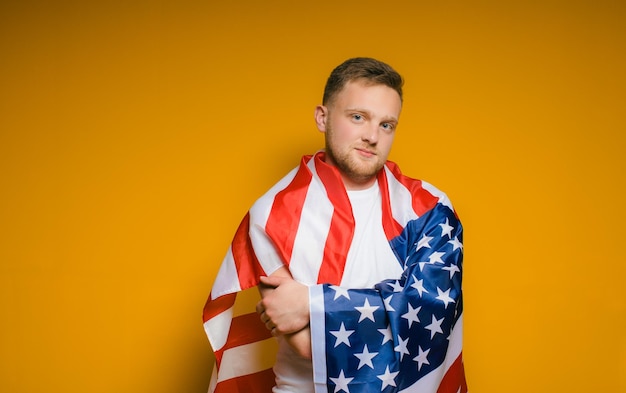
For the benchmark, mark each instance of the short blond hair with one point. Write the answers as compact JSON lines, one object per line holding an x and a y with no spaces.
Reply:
{"x":370,"y":70}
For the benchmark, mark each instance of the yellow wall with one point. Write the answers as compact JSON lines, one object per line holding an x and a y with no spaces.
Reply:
{"x":135,"y":134}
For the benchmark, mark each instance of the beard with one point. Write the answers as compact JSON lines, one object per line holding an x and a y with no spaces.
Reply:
{"x":351,"y":166}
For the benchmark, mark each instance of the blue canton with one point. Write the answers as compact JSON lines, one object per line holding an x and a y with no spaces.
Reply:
{"x":386,"y":339}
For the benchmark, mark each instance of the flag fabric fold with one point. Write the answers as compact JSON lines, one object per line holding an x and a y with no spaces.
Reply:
{"x":411,"y":327}
{"x":403,"y":335}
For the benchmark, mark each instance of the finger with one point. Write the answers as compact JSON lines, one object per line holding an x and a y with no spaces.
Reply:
{"x":259,"y":307}
{"x":273,"y":281}
{"x":264,"y":318}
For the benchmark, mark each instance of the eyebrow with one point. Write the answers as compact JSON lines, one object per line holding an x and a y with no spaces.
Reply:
{"x":369,"y":113}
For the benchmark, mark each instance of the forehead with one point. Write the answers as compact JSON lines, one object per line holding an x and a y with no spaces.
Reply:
{"x":368,"y":96}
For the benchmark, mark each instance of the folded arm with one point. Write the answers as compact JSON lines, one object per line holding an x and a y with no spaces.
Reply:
{"x":284,"y":309}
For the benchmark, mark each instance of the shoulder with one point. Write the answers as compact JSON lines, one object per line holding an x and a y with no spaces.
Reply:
{"x":423,"y":195}
{"x":289,"y":190}
{"x":264,"y":203}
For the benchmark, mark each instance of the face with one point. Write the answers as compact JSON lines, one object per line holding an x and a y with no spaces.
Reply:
{"x":360,"y":124}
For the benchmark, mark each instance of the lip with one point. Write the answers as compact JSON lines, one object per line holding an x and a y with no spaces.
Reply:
{"x":366,"y":152}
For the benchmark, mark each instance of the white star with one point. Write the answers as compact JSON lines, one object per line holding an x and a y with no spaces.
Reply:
{"x":419,"y":285}
{"x":456,"y":244}
{"x":341,"y":382}
{"x":367,"y":311}
{"x":435,"y":327}
{"x":444,"y":296}
{"x":422,"y":357}
{"x":452,"y":269}
{"x":446,"y":229}
{"x":396,"y":286}
{"x":436,"y":257}
{"x":401,"y":347}
{"x":339,"y":291}
{"x":423,"y":242}
{"x":388,"y":378}
{"x":342,"y":335}
{"x":365,"y":358}
{"x":388,"y":306}
{"x":386,"y":334}
{"x":411,"y":315}
{"x":422,"y":264}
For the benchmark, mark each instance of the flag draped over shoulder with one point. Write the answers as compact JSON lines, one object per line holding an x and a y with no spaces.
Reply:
{"x":402,"y":335}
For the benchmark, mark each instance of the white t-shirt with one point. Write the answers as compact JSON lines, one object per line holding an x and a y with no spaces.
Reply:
{"x":370,"y":260}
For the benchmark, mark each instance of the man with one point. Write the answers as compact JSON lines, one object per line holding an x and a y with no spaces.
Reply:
{"x":358,"y":266}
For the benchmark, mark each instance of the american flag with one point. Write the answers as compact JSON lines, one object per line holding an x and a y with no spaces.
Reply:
{"x":305,"y":223}
{"x":405,"y":335}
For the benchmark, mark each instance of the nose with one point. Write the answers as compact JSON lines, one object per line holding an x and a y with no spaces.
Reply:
{"x":370,"y":135}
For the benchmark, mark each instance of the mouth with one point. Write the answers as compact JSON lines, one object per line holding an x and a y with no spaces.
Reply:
{"x":366,"y":152}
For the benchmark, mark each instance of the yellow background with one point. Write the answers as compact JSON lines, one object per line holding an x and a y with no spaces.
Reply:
{"x":134,"y":135}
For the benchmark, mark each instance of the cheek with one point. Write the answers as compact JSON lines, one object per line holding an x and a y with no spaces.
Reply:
{"x":385,"y":143}
{"x":342,"y":133}
{"x":387,"y":140}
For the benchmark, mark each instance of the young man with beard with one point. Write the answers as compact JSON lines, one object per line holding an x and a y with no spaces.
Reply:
{"x":359,"y":267}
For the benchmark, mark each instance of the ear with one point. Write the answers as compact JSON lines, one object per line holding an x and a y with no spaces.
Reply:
{"x":321,"y":117}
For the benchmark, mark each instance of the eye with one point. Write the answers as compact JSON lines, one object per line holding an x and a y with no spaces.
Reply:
{"x":357,"y":117}
{"x":388,"y":126}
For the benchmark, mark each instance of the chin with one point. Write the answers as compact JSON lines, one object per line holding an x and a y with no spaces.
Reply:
{"x":367,"y":174}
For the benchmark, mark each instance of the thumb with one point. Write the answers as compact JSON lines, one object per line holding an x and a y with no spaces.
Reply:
{"x":273,"y":281}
